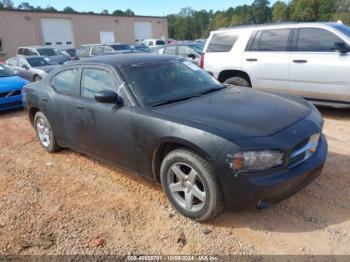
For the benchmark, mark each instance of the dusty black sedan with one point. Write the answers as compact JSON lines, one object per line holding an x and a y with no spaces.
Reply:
{"x":209,"y":145}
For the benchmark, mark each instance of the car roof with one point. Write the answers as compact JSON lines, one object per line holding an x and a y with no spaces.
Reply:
{"x":30,"y":56}
{"x":119,"y":60}
{"x":277,"y":25}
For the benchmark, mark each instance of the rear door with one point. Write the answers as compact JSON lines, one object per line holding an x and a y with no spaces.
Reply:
{"x":266,"y":59}
{"x":317,"y":72}
{"x":62,"y":108}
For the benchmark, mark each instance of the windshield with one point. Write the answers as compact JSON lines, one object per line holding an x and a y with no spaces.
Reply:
{"x":342,"y":28}
{"x":49,"y":51}
{"x":156,"y":84}
{"x":39,"y":61}
{"x":198,"y":48}
{"x":121,"y":47}
{"x":4,"y":72}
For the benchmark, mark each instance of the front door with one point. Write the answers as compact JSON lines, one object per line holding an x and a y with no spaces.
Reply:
{"x":104,"y":129}
{"x":317,"y":72}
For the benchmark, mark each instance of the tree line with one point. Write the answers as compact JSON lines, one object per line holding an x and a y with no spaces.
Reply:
{"x":192,"y":24}
{"x":8,"y":4}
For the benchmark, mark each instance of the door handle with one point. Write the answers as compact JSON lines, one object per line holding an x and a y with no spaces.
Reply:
{"x":44,"y":100}
{"x":80,"y":107}
{"x":252,"y":60}
{"x":300,"y":61}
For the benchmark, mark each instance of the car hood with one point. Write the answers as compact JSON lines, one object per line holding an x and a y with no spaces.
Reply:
{"x":240,"y":112}
{"x":47,"y":68}
{"x":11,"y":83}
{"x":59,"y":59}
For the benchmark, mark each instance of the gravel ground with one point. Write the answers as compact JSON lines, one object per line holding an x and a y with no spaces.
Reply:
{"x":67,"y":203}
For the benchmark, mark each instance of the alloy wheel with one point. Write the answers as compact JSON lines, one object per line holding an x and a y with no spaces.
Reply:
{"x":186,"y":187}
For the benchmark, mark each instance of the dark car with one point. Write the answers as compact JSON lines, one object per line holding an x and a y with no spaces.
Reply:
{"x":163,"y":118}
{"x":54,"y":54}
{"x":142,"y":48}
{"x":121,"y":47}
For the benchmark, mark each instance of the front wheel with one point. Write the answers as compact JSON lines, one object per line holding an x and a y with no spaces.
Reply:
{"x":37,"y":78}
{"x":190,"y":183}
{"x":45,"y":133}
{"x":237,"y":81}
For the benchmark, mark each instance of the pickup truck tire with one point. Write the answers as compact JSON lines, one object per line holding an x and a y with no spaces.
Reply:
{"x":237,"y":81}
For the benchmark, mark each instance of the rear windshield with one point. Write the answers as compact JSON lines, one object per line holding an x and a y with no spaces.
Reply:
{"x":198,"y":48}
{"x":49,"y":51}
{"x":160,"y":42}
{"x":121,"y":47}
{"x":39,"y":61}
{"x":4,"y":72}
{"x":222,"y":42}
{"x":158,"y":83}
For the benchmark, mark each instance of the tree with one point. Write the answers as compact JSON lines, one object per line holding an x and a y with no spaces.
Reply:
{"x":279,"y":12}
{"x":129,"y":12}
{"x":69,"y":9}
{"x":261,"y":11}
{"x":304,"y":10}
{"x":1,"y":5}
{"x":51,"y":9}
{"x":118,"y":12}
{"x":7,"y":4}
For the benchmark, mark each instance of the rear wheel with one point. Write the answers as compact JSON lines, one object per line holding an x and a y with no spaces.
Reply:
{"x":237,"y":81}
{"x":190,"y":183}
{"x":45,"y":133}
{"x":37,"y":78}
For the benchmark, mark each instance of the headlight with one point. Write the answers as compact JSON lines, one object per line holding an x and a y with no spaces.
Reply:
{"x":255,"y":160}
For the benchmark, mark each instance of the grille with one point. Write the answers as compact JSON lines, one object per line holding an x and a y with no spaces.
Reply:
{"x":304,"y":150}
{"x":10,"y":93}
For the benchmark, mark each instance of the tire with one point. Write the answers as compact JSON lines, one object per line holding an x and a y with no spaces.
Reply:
{"x":237,"y":81}
{"x":45,"y":133}
{"x":193,"y":173}
{"x":37,"y":78}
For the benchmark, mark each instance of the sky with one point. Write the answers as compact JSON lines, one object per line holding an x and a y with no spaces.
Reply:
{"x":140,"y":7}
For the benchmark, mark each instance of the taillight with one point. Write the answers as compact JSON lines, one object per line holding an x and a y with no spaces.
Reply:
{"x":201,"y":63}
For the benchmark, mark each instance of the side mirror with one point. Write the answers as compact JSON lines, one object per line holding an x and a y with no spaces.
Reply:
{"x":192,"y":56}
{"x":25,"y":67}
{"x":341,"y":47}
{"x":108,"y":97}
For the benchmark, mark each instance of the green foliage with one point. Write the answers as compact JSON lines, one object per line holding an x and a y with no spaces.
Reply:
{"x":69,"y":9}
{"x":128,"y":12}
{"x":192,"y":24}
{"x":51,"y":9}
{"x":279,"y":12}
{"x":1,"y":5}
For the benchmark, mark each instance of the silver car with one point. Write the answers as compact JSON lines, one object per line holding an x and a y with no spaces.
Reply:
{"x":32,"y":68}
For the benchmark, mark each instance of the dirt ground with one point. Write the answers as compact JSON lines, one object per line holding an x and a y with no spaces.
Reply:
{"x":67,"y":203}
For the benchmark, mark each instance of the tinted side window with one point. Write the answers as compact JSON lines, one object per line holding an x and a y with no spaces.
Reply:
{"x":20,"y":51}
{"x":170,"y":50}
{"x":222,"y":42}
{"x":64,"y":82}
{"x":316,"y":40}
{"x":96,"y":80}
{"x":83,"y":51}
{"x":28,"y":52}
{"x":274,"y":40}
{"x":185,"y":51}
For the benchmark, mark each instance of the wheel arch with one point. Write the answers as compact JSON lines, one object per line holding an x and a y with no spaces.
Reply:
{"x":168,"y":145}
{"x":32,"y":112}
{"x":228,"y":73}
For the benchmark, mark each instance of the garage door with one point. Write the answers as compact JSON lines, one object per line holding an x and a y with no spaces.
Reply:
{"x":57,"y":33}
{"x":143,"y":30}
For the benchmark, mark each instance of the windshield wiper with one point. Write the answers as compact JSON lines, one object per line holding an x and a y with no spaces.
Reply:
{"x":212,"y":90}
{"x":171,"y":101}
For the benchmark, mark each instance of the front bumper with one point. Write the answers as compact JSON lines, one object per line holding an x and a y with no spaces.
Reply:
{"x":261,"y":190}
